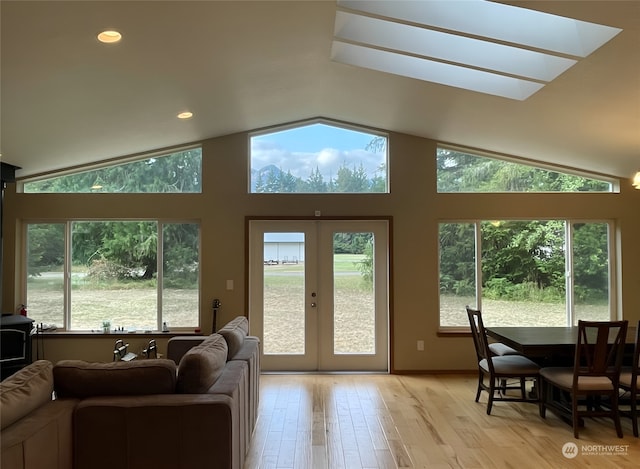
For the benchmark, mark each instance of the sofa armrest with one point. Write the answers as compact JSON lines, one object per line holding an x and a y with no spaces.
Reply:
{"x":42,"y":439}
{"x":174,"y":430}
{"x":179,"y":345}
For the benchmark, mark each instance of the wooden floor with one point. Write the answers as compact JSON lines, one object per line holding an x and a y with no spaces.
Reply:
{"x":430,"y":421}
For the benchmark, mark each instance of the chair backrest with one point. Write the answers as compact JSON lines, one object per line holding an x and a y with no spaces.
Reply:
{"x":599,"y":349}
{"x":479,"y":335}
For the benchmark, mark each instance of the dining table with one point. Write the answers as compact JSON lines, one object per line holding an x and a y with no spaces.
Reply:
{"x":552,"y":346}
{"x":548,"y":346}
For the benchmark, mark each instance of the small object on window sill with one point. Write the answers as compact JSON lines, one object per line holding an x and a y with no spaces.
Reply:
{"x":165,"y":328}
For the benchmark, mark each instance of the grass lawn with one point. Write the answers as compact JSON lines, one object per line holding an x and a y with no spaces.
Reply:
{"x":134,"y":304}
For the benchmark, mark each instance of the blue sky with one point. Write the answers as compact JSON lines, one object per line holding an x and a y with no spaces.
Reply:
{"x":300,"y":150}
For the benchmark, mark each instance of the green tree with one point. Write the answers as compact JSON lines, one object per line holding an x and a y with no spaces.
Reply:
{"x":177,"y":172}
{"x":379,"y":180}
{"x":590,"y":261}
{"x":315,"y":183}
{"x":287,"y":182}
{"x":352,"y":180}
{"x":180,"y":255}
{"x":457,"y":258}
{"x":365,"y":266}
{"x":45,"y":247}
{"x":131,"y":246}
{"x":259,"y":183}
{"x":462,"y":172}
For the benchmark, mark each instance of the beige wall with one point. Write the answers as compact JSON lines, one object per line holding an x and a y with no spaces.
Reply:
{"x":413,"y":203}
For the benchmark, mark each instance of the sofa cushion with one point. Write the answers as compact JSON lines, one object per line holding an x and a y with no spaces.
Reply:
{"x":201,"y":366}
{"x":234,"y":332}
{"x":77,"y":378}
{"x":25,"y":391}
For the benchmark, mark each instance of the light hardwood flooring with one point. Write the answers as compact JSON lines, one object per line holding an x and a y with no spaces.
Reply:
{"x":407,"y":421}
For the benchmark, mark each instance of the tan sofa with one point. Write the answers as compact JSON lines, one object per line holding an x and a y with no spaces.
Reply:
{"x":35,"y":430}
{"x":196,"y":412}
{"x":243,"y":348}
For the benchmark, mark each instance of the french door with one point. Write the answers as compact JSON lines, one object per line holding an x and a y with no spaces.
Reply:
{"x":318,"y":294}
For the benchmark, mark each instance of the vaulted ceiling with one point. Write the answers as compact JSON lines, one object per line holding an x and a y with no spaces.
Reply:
{"x":69,"y":100}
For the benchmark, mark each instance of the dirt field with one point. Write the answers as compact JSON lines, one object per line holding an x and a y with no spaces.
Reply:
{"x":283,"y":322}
{"x":91,"y":307}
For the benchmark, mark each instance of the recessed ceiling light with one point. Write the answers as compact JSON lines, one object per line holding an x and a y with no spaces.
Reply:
{"x":109,"y":37}
{"x":185,"y":115}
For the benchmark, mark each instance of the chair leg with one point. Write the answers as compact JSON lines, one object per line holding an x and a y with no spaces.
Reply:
{"x":492,"y":390}
{"x":503,"y":386}
{"x":480,"y":379}
{"x":634,"y":415}
{"x":542,"y":396}
{"x":574,"y":415}
{"x":522,"y":388}
{"x":616,"y":413}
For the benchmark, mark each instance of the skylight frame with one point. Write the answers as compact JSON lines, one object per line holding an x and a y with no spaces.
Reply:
{"x":432,"y":71}
{"x":525,"y":27}
{"x":452,"y":48}
{"x":423,"y":40}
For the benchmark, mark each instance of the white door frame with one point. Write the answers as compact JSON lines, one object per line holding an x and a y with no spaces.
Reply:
{"x":319,"y":354}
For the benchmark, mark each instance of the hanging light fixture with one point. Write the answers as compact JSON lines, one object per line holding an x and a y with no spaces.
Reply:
{"x":636,"y":180}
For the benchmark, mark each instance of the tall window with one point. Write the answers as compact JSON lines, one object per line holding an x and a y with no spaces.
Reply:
{"x":177,"y":172}
{"x":318,"y":158}
{"x":525,"y":272}
{"x":460,"y":171}
{"x":133,"y":274}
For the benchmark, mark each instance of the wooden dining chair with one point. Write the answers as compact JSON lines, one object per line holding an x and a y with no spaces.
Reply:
{"x":629,"y":383}
{"x":497,"y":368}
{"x":498,"y":349}
{"x":595,"y":374}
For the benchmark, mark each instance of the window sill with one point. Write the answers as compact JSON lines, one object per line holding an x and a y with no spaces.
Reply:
{"x":453,"y":332}
{"x":116,"y":334}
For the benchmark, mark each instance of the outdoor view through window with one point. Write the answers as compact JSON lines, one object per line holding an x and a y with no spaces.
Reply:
{"x":113,"y":277}
{"x":521,"y":272}
{"x":316,"y":158}
{"x":176,"y":172}
{"x":525,"y":272}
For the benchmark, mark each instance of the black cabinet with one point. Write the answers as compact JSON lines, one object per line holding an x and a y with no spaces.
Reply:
{"x":15,"y":343}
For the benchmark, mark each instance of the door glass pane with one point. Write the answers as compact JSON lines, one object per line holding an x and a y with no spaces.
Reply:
{"x":180,"y":265}
{"x":457,"y":272}
{"x":353,"y":293}
{"x":284,"y":291}
{"x":591,"y":272}
{"x":113,"y":275}
{"x":45,"y":275}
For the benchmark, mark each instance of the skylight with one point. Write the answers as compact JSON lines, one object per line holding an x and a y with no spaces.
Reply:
{"x":473,"y":44}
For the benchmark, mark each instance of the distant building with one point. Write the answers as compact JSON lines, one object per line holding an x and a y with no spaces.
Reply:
{"x":283,"y":248}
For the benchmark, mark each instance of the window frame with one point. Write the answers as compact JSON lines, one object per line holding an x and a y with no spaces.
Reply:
{"x":570,"y":312}
{"x":67,"y":264}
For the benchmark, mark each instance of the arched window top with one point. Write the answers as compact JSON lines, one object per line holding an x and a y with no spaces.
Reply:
{"x":318,"y":157}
